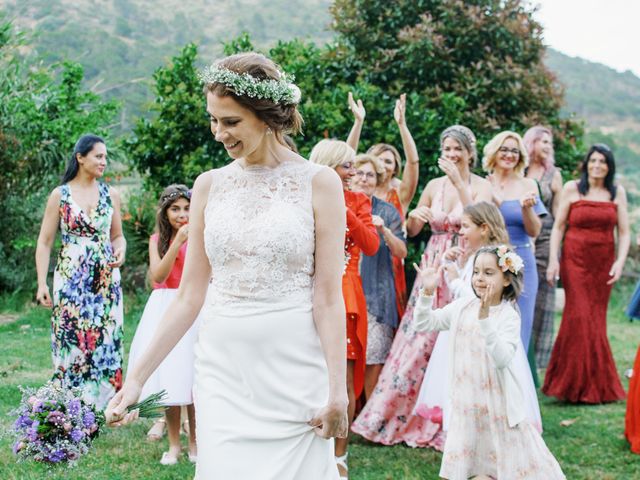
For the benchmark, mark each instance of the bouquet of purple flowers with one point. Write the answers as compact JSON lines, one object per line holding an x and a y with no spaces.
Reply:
{"x":55,"y":425}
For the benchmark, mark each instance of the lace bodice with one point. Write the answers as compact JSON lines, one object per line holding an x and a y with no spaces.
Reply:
{"x":260,"y":232}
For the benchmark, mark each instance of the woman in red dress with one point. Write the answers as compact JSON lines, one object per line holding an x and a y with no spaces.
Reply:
{"x":632,"y":418}
{"x":392,"y":189}
{"x":582,"y":369}
{"x":361,"y":236}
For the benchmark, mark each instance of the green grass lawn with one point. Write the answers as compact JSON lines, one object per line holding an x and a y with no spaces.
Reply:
{"x":593,"y":447}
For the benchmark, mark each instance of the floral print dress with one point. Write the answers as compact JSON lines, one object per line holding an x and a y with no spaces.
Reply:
{"x":86,"y":324}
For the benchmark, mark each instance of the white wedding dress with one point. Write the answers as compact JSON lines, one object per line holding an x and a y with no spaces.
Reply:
{"x":260,"y":371}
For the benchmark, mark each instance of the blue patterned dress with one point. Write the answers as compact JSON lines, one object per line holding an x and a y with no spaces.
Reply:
{"x":86,"y":324}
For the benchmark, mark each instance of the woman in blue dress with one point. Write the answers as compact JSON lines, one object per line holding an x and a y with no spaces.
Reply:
{"x":633,"y":310}
{"x":505,"y":158}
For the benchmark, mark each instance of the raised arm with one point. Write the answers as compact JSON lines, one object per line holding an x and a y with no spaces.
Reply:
{"x":358,"y":120}
{"x":160,"y":268}
{"x":568,"y":195}
{"x":361,"y":228}
{"x":47,"y":236}
{"x":118,"y":241}
{"x":425,"y":317}
{"x":624,"y":235}
{"x":530,"y":204}
{"x":411,"y":171}
{"x":328,"y":306}
{"x":182,"y":311}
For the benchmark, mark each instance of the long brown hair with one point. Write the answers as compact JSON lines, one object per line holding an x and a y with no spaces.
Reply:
{"x":485,"y":213}
{"x":167,"y":198}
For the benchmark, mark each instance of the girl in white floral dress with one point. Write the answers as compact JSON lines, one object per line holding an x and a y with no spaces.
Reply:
{"x":489,"y":436}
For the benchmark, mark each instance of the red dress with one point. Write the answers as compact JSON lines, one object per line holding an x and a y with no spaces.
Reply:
{"x":632,"y":418}
{"x":398,"y":263}
{"x":581,"y":368}
{"x":361,"y":236}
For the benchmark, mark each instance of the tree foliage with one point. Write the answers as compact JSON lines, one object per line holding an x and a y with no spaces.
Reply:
{"x":42,"y":113}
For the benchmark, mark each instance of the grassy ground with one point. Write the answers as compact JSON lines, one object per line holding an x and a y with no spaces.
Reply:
{"x":591,"y":448}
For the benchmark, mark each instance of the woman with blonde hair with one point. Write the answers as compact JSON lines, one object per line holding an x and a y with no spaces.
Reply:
{"x":538,"y":141}
{"x":361,"y":237}
{"x":377,"y":270}
{"x":387,"y":417}
{"x":505,"y":159}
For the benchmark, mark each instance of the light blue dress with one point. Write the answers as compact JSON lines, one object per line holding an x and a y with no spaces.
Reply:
{"x":512,"y":213}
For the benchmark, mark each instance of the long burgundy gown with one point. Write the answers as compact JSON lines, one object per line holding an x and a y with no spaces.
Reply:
{"x":582,"y":369}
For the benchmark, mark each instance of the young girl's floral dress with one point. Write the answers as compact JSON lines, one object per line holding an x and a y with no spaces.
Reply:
{"x":86,"y":324}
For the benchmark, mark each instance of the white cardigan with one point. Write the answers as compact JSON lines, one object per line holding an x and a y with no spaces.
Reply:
{"x":501,"y":331}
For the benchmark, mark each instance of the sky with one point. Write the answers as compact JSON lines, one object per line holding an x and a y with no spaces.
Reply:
{"x":603,"y":31}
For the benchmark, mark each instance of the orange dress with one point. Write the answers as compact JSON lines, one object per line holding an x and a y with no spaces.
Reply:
{"x":361,"y":236}
{"x":398,"y":263}
{"x":632,"y":418}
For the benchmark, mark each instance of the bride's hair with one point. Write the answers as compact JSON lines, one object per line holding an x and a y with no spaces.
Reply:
{"x":279,"y":116}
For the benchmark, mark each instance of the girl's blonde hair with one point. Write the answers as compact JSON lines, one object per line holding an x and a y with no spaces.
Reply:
{"x":490,"y":152}
{"x":331,"y":153}
{"x":485,"y":213}
{"x":374,"y":161}
{"x":379,"y":148}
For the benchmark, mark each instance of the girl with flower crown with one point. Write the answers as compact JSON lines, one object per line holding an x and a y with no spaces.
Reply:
{"x":490,"y":436}
{"x":167,"y":251}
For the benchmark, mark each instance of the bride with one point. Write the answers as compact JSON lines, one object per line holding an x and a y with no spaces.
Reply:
{"x":268,"y":229}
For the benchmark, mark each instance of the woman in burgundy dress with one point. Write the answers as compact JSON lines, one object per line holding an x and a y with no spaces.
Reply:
{"x":582,"y":369}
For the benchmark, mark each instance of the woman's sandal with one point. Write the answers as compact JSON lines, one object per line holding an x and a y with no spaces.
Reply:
{"x":156,"y":432}
{"x":341,"y":462}
{"x":168,"y":459}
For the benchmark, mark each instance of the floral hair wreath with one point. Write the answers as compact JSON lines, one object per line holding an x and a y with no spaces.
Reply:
{"x":282,"y":90}
{"x":508,"y":260}
{"x":178,"y":193}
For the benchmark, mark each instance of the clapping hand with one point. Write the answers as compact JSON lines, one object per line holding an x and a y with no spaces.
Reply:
{"x":331,"y":420}
{"x":400,"y":109}
{"x":529,"y":200}
{"x":428,"y":274}
{"x":485,"y":302}
{"x":377,"y":222}
{"x":357,"y":108}
{"x":422,"y":214}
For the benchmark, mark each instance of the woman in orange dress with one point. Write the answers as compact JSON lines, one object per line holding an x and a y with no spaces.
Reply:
{"x":632,"y":418}
{"x":392,"y":189}
{"x":361,"y":236}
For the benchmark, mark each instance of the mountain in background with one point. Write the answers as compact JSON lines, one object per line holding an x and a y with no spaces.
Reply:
{"x":121,"y":42}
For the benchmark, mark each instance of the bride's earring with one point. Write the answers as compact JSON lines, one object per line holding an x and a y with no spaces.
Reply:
{"x":269,"y":131}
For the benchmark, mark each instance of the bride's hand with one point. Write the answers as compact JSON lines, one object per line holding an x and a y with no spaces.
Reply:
{"x":331,"y":420}
{"x":116,"y":413}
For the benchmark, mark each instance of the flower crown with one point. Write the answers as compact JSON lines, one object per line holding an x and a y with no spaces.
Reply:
{"x":178,"y":193}
{"x":282,"y":90}
{"x":508,"y":260}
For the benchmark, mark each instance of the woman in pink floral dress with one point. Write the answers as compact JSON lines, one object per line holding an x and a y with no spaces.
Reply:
{"x":387,"y":417}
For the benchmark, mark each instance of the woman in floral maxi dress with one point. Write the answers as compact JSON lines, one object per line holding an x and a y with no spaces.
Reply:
{"x":86,"y":323}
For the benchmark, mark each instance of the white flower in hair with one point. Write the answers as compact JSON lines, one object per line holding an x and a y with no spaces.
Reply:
{"x":510,"y":261}
{"x":282,"y":90}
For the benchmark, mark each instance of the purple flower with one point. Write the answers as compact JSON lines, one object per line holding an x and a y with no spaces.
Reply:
{"x":22,"y":422}
{"x":76,"y":435}
{"x":19,"y":445}
{"x":89,"y":419}
{"x":56,"y":456}
{"x":74,"y":407}
{"x":32,"y":433}
{"x":56,"y":417}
